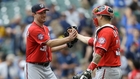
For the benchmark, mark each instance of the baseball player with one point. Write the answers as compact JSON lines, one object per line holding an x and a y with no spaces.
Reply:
{"x":106,"y":56}
{"x":135,"y":73}
{"x":39,"y":46}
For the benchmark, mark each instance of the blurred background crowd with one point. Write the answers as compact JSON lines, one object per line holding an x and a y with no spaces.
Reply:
{"x":16,"y":16}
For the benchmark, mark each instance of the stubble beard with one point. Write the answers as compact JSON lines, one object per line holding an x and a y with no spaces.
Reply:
{"x":41,"y":21}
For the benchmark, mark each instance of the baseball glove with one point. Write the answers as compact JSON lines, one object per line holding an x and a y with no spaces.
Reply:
{"x":70,"y":44}
{"x":84,"y":75}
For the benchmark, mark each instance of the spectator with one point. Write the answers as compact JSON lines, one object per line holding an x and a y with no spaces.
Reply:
{"x":136,"y":34}
{"x":21,"y":70}
{"x":86,"y":4}
{"x":72,"y":16}
{"x":91,"y":2}
{"x":130,"y":25}
{"x":87,"y":51}
{"x":14,"y":31}
{"x":83,"y":21}
{"x":21,"y":44}
{"x":55,"y":65}
{"x":124,"y":64}
{"x":132,"y":55}
{"x":2,"y":34}
{"x":42,"y":2}
{"x":67,"y":63}
{"x":7,"y":68}
{"x":53,"y":13}
{"x":2,"y":30}
{"x":63,"y":22}
{"x":135,"y":73}
{"x":135,"y":9}
{"x":119,"y":6}
{"x":7,"y":45}
{"x":2,"y":57}
{"x":57,"y":29}
{"x":119,"y":3}
{"x":29,"y":18}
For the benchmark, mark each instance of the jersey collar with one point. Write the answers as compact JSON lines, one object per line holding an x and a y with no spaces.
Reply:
{"x":38,"y":25}
{"x":106,"y":25}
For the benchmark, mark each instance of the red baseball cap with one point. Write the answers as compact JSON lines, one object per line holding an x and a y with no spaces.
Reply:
{"x":39,"y":8}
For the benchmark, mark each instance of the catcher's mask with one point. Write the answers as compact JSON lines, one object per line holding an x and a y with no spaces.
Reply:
{"x":102,"y":10}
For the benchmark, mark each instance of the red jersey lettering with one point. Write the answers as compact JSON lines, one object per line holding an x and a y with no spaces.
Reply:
{"x":36,"y":49}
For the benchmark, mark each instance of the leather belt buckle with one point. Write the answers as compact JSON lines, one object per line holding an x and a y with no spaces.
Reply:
{"x":45,"y":64}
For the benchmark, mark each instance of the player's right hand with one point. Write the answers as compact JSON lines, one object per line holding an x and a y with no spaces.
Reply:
{"x":72,"y":34}
{"x":66,"y":34}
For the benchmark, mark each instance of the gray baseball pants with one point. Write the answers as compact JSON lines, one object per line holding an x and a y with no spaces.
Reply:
{"x":108,"y":73}
{"x":34,"y":71}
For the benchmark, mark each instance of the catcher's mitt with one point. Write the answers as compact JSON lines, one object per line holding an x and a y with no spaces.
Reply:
{"x":70,"y":44}
{"x":84,"y":75}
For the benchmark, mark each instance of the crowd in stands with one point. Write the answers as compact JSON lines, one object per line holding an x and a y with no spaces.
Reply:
{"x":70,"y":61}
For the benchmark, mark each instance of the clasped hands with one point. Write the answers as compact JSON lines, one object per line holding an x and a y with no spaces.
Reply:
{"x":71,"y":33}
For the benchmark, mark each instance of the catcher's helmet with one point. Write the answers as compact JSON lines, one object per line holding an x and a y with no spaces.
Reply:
{"x":103,"y":10}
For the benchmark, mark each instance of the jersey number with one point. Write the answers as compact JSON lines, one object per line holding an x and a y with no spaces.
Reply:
{"x":118,"y":53}
{"x":43,"y":48}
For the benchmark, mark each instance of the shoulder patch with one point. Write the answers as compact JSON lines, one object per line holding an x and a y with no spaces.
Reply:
{"x":40,"y":36}
{"x":101,"y":40}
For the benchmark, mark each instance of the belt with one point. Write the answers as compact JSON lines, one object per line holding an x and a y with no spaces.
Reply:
{"x":45,"y":64}
{"x":100,"y":67}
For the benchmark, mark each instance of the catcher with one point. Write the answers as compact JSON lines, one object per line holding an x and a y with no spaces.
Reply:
{"x":106,"y":43}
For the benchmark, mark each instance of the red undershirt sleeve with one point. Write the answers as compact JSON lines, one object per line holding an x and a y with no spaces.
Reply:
{"x":90,"y":41}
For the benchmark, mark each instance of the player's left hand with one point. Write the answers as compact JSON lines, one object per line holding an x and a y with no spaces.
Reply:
{"x":84,"y":75}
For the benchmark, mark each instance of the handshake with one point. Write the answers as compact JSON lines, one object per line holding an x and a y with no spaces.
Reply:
{"x":67,"y":33}
{"x":72,"y":33}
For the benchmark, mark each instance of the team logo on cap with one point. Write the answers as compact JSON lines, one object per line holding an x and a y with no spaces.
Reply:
{"x":101,"y":40}
{"x":41,"y":5}
{"x":40,"y":36}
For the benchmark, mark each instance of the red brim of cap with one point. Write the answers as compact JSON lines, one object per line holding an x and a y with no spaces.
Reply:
{"x":44,"y":9}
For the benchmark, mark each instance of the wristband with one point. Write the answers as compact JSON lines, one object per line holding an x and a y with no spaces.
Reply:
{"x":92,"y":66}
